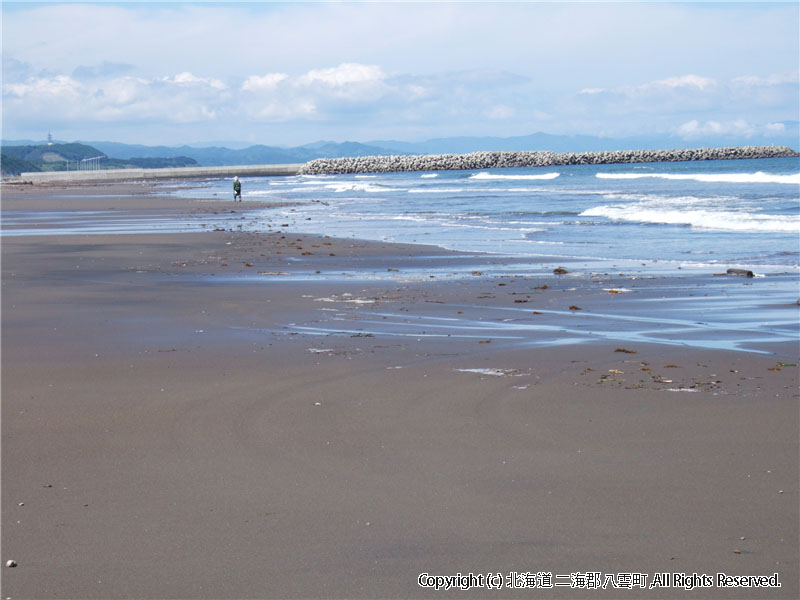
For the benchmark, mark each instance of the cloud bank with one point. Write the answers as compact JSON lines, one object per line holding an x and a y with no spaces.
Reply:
{"x":282,"y":73}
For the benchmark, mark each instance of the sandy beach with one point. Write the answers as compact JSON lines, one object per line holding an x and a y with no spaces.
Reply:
{"x":219,"y":415}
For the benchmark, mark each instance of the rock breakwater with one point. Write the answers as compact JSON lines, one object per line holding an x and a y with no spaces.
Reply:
{"x":493,"y":160}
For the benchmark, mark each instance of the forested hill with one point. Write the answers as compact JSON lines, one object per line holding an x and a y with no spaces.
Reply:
{"x":75,"y":156}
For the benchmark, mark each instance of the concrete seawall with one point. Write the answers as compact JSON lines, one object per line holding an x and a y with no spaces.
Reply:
{"x":491,"y":160}
{"x":144,"y":174}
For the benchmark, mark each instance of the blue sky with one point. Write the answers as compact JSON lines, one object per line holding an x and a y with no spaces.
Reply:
{"x":294,"y":73}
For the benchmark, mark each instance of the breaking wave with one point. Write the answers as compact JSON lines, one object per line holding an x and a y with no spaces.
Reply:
{"x":706,"y":219}
{"x":493,"y":176}
{"x":359,"y":187}
{"x":757,"y":177}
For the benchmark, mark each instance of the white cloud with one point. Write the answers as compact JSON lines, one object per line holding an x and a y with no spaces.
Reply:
{"x":776,"y":90}
{"x":683,"y":81}
{"x":347,"y":83}
{"x":692,"y":105}
{"x":315,"y":94}
{"x":263,"y":82}
{"x":187,"y":78}
{"x":416,"y":92}
{"x":368,"y":93}
{"x":436,"y":68}
{"x":183,"y":97}
{"x":677,"y":93}
{"x":774,"y":79}
{"x":121,"y":91}
{"x":44,"y":88}
{"x":739,"y":127}
{"x":343,"y":75}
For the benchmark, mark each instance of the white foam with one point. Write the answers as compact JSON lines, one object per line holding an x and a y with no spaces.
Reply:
{"x":488,"y":228}
{"x":347,"y":298}
{"x":259,"y":193}
{"x":429,"y":175}
{"x":757,"y":177}
{"x":358,"y":187}
{"x":540,"y":242}
{"x":706,"y":219}
{"x":492,"y":372}
{"x":437,"y":191}
{"x":527,"y":223}
{"x":681,"y":201}
{"x":491,"y":176}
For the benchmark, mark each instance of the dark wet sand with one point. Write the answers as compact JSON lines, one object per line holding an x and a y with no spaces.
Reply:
{"x":165,"y":435}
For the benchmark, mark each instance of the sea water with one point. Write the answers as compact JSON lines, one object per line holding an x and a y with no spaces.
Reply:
{"x":643,"y":219}
{"x":736,"y":213}
{"x":671,"y":216}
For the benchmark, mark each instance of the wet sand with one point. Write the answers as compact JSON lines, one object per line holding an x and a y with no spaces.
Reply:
{"x":185,"y":417}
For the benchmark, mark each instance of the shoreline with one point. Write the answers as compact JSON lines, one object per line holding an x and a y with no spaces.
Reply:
{"x":644,"y":302}
{"x":180,"y":419}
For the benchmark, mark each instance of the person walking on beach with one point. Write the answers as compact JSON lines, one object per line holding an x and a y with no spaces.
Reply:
{"x":237,"y":189}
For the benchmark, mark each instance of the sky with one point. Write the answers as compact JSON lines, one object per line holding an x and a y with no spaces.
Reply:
{"x":292,"y":73}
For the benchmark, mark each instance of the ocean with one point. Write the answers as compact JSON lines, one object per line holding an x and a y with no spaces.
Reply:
{"x":660,"y":217}
{"x":666,"y":216}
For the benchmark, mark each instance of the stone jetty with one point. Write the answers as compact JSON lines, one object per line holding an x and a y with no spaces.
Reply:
{"x":493,"y":160}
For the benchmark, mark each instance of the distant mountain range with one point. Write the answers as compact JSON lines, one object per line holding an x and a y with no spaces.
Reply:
{"x":218,"y":155}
